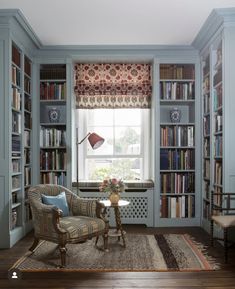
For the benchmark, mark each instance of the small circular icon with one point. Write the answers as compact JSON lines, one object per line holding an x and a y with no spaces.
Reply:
{"x":14,"y":274}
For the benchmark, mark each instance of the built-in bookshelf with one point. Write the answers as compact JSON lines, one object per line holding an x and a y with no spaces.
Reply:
{"x":206,"y":112}
{"x":217,"y":125}
{"x":16,"y":209}
{"x":177,"y":141}
{"x":53,"y":149}
{"x":213,"y":133}
{"x":27,"y":138}
{"x":21,"y":130}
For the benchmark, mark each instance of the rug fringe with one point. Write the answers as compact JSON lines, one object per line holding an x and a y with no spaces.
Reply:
{"x":204,"y":249}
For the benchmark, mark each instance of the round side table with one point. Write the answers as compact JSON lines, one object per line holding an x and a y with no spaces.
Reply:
{"x":118,"y":232}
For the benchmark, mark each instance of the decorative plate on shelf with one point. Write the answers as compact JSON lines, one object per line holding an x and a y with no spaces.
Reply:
{"x":54,"y":115}
{"x":175,"y":115}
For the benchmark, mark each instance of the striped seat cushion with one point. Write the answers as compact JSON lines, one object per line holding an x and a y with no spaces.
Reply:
{"x":79,"y":226}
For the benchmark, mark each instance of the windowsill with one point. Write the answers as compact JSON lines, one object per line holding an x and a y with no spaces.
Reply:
{"x":94,"y":185}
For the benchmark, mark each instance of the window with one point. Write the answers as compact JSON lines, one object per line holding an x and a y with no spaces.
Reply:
{"x":125,"y":152}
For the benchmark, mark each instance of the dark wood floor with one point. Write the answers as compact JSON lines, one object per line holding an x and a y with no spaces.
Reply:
{"x":222,"y":279}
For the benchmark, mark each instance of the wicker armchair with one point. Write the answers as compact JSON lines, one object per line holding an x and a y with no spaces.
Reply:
{"x":84,"y":221}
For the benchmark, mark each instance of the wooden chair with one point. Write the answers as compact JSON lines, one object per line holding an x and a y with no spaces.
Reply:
{"x":84,"y":222}
{"x":223,"y":214}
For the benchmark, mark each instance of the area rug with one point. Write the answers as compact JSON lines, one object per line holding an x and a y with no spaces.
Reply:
{"x":168,"y":252}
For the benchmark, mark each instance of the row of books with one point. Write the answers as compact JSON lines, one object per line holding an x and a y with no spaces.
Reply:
{"x":177,"y":71}
{"x":218,"y":122}
{"x":16,"y":122}
{"x":206,"y":169}
{"x":28,"y":213}
{"x":53,"y":160}
{"x":207,"y":189}
{"x":52,"y":91}
{"x":53,"y":178}
{"x":206,"y":103}
{"x":26,"y":138}
{"x":206,"y":147}
{"x":27,"y":102}
{"x":206,"y":210}
{"x":177,"y":136}
{"x":27,"y":85}
{"x":206,"y":85}
{"x":218,"y":97}
{"x":218,"y":146}
{"x":16,"y":98}
{"x":177,"y":90}
{"x":13,"y":219}
{"x":15,"y":76}
{"x":27,"y":155}
{"x":27,"y":176}
{"x":206,"y":66}
{"x":218,"y":173}
{"x":27,"y":121}
{"x":177,"y":183}
{"x":178,"y":159}
{"x":16,"y":145}
{"x":218,"y":196}
{"x":15,"y":55}
{"x":15,"y":166}
{"x":206,"y":125}
{"x":50,"y":137}
{"x":16,"y":181}
{"x":178,"y":207}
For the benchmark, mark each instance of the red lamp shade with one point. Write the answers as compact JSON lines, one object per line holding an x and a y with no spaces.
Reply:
{"x":95,"y":140}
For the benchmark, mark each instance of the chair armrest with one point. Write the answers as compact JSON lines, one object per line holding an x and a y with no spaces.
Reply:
{"x":85,"y":207}
{"x":46,"y":219}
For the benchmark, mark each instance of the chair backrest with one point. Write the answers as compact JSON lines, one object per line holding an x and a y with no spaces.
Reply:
{"x":35,"y":193}
{"x":222,"y":203}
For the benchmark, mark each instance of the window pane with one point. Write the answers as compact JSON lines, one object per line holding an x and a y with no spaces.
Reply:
{"x":100,"y":117}
{"x":127,"y":140}
{"x":124,"y":168}
{"x":124,"y":117}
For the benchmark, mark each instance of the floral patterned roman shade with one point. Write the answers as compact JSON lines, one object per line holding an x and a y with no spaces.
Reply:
{"x":112,"y":85}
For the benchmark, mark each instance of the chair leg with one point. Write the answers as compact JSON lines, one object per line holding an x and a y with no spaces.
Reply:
{"x":225,"y":245}
{"x":105,"y":237}
{"x":211,"y":233}
{"x":62,"y":255}
{"x":34,"y":245}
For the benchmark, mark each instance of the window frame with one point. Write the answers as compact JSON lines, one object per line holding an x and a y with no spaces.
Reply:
{"x":82,"y":125}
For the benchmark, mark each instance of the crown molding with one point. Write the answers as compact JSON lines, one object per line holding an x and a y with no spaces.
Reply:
{"x":217,"y":20}
{"x":6,"y":16}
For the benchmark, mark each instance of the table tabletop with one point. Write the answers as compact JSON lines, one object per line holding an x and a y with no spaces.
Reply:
{"x":121,"y":203}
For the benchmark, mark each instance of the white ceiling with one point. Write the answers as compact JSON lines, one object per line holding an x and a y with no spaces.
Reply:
{"x":116,"y":22}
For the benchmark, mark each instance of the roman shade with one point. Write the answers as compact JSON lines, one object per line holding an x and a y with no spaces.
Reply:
{"x":114,"y":85}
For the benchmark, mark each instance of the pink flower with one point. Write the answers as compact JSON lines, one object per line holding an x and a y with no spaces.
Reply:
{"x":114,"y":181}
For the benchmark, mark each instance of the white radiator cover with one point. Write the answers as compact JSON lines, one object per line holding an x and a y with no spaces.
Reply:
{"x":139,"y":211}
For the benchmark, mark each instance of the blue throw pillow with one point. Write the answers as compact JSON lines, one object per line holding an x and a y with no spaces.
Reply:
{"x":59,"y":201}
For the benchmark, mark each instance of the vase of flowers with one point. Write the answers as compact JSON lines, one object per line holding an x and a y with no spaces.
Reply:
{"x":114,"y":187}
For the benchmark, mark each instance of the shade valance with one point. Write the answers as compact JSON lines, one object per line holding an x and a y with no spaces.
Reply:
{"x":106,"y":85}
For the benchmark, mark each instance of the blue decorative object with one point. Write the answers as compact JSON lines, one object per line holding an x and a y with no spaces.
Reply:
{"x":59,"y":201}
{"x":54,"y":114}
{"x":175,"y":114}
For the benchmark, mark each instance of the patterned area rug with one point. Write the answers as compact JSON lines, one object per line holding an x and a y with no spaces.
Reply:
{"x":170,"y":252}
